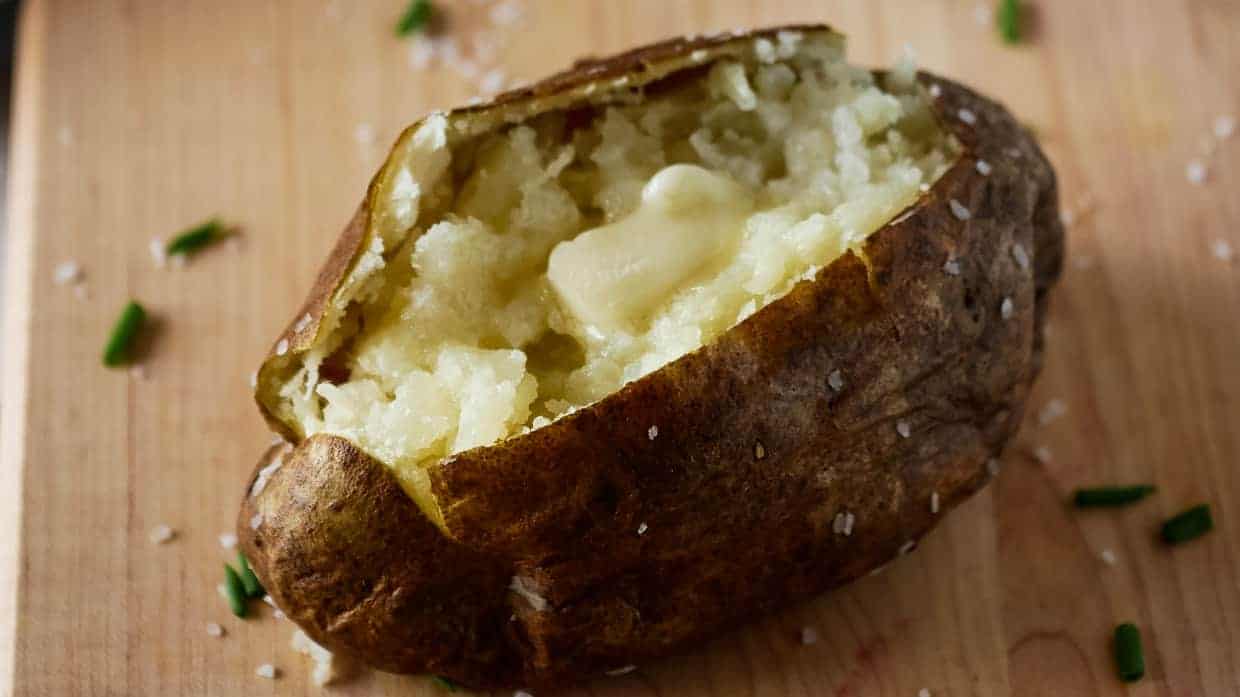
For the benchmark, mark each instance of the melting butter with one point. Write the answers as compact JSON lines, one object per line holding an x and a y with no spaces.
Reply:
{"x":614,"y":276}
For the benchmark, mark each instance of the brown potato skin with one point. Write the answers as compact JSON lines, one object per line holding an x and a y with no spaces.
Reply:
{"x":755,"y":457}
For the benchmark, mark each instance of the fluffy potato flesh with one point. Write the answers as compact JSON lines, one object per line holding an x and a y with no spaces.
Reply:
{"x":516,"y":274}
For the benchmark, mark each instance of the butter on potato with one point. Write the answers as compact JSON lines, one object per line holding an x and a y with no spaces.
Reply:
{"x":614,"y":276}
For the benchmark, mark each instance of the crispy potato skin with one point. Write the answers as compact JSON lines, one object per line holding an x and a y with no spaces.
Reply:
{"x":644,"y":547}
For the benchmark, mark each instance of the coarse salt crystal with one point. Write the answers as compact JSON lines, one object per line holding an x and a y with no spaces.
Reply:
{"x":809,"y":636}
{"x":903,"y":428}
{"x":934,"y":502}
{"x":958,"y":209}
{"x":936,"y":91}
{"x":907,"y":547}
{"x":983,"y":168}
{"x":1042,"y":454}
{"x":282,"y":347}
{"x":652,"y":432}
{"x":159,"y":252}
{"x":1108,"y":557}
{"x":267,"y":670}
{"x":923,"y":692}
{"x":982,"y":14}
{"x":1222,"y":250}
{"x":1006,"y":308}
{"x":522,"y":587}
{"x":1224,"y":126}
{"x":161,"y":533}
{"x":1053,"y":409}
{"x":967,"y":116}
{"x":493,"y":81}
{"x":302,"y":322}
{"x":993,"y":466}
{"x":228,"y":540}
{"x":759,"y":450}
{"x":252,"y":378}
{"x":621,"y":671}
{"x":1020,"y":256}
{"x":843,"y":523}
{"x":256,"y":520}
{"x":641,"y":529}
{"x":951,"y":267}
{"x":67,"y":272}
{"x":214,"y":629}
{"x":420,"y":55}
{"x":506,"y":13}
{"x":1195,"y":171}
{"x":835,"y":380}
{"x":698,"y":56}
{"x":364,"y":134}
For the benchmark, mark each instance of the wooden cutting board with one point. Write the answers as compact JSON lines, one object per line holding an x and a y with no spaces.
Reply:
{"x":135,"y":119}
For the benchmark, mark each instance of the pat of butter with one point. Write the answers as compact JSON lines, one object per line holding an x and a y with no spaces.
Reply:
{"x":613,"y":276}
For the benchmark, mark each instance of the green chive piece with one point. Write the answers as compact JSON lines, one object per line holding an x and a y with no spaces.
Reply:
{"x":197,"y":237}
{"x":1111,"y":495}
{"x":415,"y":17}
{"x":253,"y":589}
{"x":1129,"y":657}
{"x":444,"y":683}
{"x":236,"y":591}
{"x":1008,"y":18}
{"x":1188,"y":525}
{"x":127,"y":327}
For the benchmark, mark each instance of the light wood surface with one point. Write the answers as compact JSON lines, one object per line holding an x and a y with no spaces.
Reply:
{"x":135,"y":119}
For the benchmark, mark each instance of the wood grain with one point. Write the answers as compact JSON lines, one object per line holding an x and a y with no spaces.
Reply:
{"x":134,"y":119}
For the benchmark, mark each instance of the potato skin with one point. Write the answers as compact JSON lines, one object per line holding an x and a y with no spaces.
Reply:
{"x":642,"y":547}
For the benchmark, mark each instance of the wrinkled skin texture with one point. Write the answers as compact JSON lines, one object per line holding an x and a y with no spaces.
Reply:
{"x":756,"y":456}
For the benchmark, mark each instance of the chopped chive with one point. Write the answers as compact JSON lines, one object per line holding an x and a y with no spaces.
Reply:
{"x":1008,"y":18}
{"x":1111,"y":495}
{"x":236,"y":591}
{"x":415,"y":17}
{"x":1129,"y":658}
{"x":123,"y":332}
{"x":1188,"y":525}
{"x":443,"y":682}
{"x":197,"y":237}
{"x":249,"y":581}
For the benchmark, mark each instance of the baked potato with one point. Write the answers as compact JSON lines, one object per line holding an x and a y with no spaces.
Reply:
{"x":667,"y":341}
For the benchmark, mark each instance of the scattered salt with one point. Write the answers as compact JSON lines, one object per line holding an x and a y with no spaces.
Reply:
{"x":214,"y":629}
{"x":1051,"y":411}
{"x":835,"y":380}
{"x":67,"y":272}
{"x":1006,"y":308}
{"x":809,"y":636}
{"x":228,"y":540}
{"x":983,"y":168}
{"x":267,"y":670}
{"x":161,"y":533}
{"x":1224,"y":126}
{"x":958,"y":209}
{"x":652,"y":432}
{"x":1108,"y":557}
{"x":967,"y":116}
{"x":1222,"y":250}
{"x":1195,"y":171}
